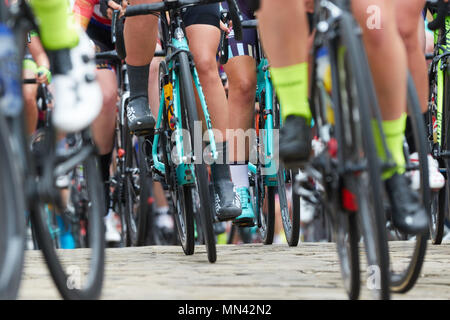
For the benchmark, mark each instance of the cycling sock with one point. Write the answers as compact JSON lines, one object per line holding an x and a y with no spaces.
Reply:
{"x":394,"y":131}
{"x":220,"y":170}
{"x":105,"y":163}
{"x":291,"y":84}
{"x":239,"y":175}
{"x":138,"y":77}
{"x":58,"y":29}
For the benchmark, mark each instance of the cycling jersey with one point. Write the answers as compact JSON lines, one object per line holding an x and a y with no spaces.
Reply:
{"x":248,"y":45}
{"x":88,"y":12}
{"x":98,"y":28}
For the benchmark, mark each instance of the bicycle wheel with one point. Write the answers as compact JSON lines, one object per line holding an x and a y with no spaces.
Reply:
{"x":12,"y":219}
{"x":263,"y":196}
{"x":189,"y":112}
{"x":405,"y":270}
{"x":336,"y":211}
{"x":78,"y":275}
{"x":290,"y":214}
{"x":355,"y":76}
{"x":181,"y":196}
{"x":145,"y":211}
{"x":439,"y":199}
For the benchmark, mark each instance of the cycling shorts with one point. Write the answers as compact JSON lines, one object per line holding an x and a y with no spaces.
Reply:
{"x":101,"y":36}
{"x":205,"y":14}
{"x":248,"y":45}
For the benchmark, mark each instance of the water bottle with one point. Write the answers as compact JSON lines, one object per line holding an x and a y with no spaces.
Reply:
{"x":10,"y":75}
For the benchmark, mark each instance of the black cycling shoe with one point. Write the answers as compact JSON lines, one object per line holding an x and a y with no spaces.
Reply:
{"x":140,"y":118}
{"x":408,"y":214}
{"x":225,"y":201}
{"x":295,"y":140}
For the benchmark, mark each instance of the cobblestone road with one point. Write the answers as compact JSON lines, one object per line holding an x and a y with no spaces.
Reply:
{"x":309,"y":271}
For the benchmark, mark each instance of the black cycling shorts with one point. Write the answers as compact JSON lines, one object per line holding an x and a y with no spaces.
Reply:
{"x":101,"y":36}
{"x":204,"y":14}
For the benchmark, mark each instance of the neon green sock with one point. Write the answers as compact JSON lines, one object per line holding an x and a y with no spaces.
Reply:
{"x":291,"y":84}
{"x":394,"y":131}
{"x":57,"y":26}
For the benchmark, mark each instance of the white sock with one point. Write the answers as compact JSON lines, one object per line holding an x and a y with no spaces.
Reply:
{"x":239,"y":175}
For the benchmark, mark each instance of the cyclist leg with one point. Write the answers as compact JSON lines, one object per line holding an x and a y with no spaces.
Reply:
{"x":77,"y":98}
{"x":412,"y":30}
{"x":29,"y":92}
{"x":279,"y":26}
{"x":241,"y":73}
{"x":140,"y":34}
{"x":202,"y":29}
{"x":388,"y":61}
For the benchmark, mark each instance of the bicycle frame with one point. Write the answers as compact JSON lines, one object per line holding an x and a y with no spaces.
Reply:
{"x":179,"y":43}
{"x":438,"y":66}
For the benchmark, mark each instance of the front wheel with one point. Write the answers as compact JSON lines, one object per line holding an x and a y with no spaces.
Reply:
{"x":189,"y":112}
{"x":80,"y":278}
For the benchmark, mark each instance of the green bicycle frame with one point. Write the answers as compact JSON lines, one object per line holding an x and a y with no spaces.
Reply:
{"x":444,"y":48}
{"x":185,"y":169}
{"x":264,"y":90}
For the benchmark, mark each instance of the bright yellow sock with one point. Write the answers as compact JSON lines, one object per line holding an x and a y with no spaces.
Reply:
{"x":394,"y":131}
{"x":291,"y":85}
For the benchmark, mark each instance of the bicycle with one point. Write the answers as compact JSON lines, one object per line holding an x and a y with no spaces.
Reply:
{"x":349,"y":168}
{"x":267,"y":175}
{"x":38,"y":188}
{"x":182,"y":170}
{"x":438,"y":120}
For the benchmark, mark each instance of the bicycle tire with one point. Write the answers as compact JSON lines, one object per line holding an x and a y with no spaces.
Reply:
{"x":145,"y":211}
{"x":267,"y":229}
{"x":373,"y":221}
{"x":201,"y":174}
{"x":290,"y":217}
{"x":183,"y":212}
{"x":341,"y":226}
{"x":12,"y":219}
{"x":404,"y":281}
{"x":96,"y":241}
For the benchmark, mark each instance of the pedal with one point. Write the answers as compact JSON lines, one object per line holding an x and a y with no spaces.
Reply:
{"x":244,"y":223}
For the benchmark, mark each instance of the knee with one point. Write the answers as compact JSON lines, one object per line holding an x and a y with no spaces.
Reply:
{"x":207,"y":69}
{"x":410,"y":35}
{"x":245,"y":88}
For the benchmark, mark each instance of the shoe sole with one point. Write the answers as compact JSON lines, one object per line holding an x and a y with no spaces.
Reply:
{"x":244,"y":222}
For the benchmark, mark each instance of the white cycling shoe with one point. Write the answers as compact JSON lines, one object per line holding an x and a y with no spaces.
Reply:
{"x":78,"y":97}
{"x":437,"y":180}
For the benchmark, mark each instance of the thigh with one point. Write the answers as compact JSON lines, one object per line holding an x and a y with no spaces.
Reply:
{"x":203,"y":42}
{"x":375,"y":14}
